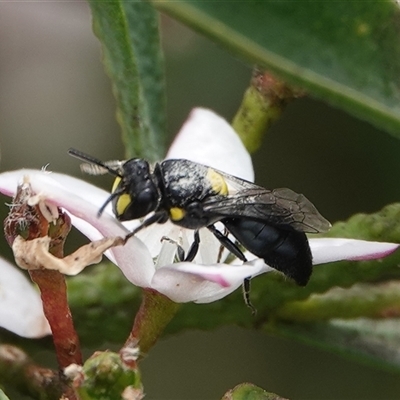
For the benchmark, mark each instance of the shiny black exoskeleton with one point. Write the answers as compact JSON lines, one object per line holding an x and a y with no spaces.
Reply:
{"x":271,"y":224}
{"x":281,"y":247}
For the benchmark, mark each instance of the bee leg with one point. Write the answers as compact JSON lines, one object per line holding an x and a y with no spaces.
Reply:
{"x":221,"y":247}
{"x":246,"y":286}
{"x":194,"y":247}
{"x":226,"y":242}
{"x":234,"y":249}
{"x":158,"y":217}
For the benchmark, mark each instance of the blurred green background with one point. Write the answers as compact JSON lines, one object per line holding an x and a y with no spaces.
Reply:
{"x":54,"y":94}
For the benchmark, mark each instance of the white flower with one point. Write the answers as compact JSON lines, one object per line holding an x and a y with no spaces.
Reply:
{"x":204,"y":138}
{"x":20,"y":305}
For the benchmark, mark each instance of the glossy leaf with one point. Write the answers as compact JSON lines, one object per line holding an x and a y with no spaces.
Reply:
{"x":128,"y":32}
{"x":3,"y":396}
{"x":248,"y":391}
{"x":347,"y":53}
{"x":379,"y":300}
{"x":370,"y":341}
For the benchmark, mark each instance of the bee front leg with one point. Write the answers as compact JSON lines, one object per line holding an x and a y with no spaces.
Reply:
{"x":193,"y":249}
{"x":158,"y":217}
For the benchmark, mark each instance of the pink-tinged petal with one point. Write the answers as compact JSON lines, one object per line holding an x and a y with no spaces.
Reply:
{"x":327,"y":250}
{"x":184,"y":282}
{"x":83,"y":200}
{"x":208,"y":139}
{"x":21,"y":308}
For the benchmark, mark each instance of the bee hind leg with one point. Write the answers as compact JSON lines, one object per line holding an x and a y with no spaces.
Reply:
{"x":234,"y":249}
{"x":246,"y":286}
{"x":194,"y":247}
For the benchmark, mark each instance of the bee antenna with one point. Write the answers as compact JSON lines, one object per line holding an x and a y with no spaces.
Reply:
{"x":109,"y":200}
{"x":92,"y":160}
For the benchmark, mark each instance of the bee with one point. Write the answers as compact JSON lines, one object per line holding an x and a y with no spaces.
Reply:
{"x":271,"y":224}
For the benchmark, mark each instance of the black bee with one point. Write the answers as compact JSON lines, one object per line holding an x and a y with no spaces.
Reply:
{"x":271,"y":224}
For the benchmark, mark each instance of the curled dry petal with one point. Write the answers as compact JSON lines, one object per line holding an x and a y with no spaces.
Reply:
{"x":34,"y":254}
{"x":81,"y":200}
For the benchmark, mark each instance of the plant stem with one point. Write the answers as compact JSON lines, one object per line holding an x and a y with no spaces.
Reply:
{"x":154,"y":314}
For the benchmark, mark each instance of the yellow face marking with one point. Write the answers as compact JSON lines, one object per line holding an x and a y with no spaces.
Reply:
{"x":217,"y":182}
{"x":122,"y":203}
{"x":115,"y":184}
{"x":176,"y":213}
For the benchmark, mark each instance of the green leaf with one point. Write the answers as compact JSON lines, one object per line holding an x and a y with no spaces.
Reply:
{"x":3,"y":396}
{"x":128,"y":32}
{"x":374,"y":342}
{"x":248,"y":391}
{"x":347,"y":53}
{"x":361,"y":300}
{"x":375,"y":338}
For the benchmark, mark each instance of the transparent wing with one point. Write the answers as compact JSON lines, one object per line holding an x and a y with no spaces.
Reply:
{"x":94,"y":169}
{"x":278,"y":207}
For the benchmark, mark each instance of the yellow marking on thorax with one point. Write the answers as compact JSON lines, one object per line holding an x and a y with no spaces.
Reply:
{"x":176,"y":213}
{"x":217,"y":182}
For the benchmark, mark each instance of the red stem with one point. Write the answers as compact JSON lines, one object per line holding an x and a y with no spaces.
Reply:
{"x":55,"y":306}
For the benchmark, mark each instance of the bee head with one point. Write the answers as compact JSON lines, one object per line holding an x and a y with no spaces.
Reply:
{"x":134,"y":194}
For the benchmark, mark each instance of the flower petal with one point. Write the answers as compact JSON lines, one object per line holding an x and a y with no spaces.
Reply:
{"x":83,"y":201}
{"x":208,"y":249}
{"x":153,"y":234}
{"x":21,"y":308}
{"x":185,"y":281}
{"x":326,"y":250}
{"x":208,"y":139}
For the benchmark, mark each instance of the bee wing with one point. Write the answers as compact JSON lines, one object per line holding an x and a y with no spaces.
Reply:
{"x":236,"y":184}
{"x":277,"y":207}
{"x":95,"y":169}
